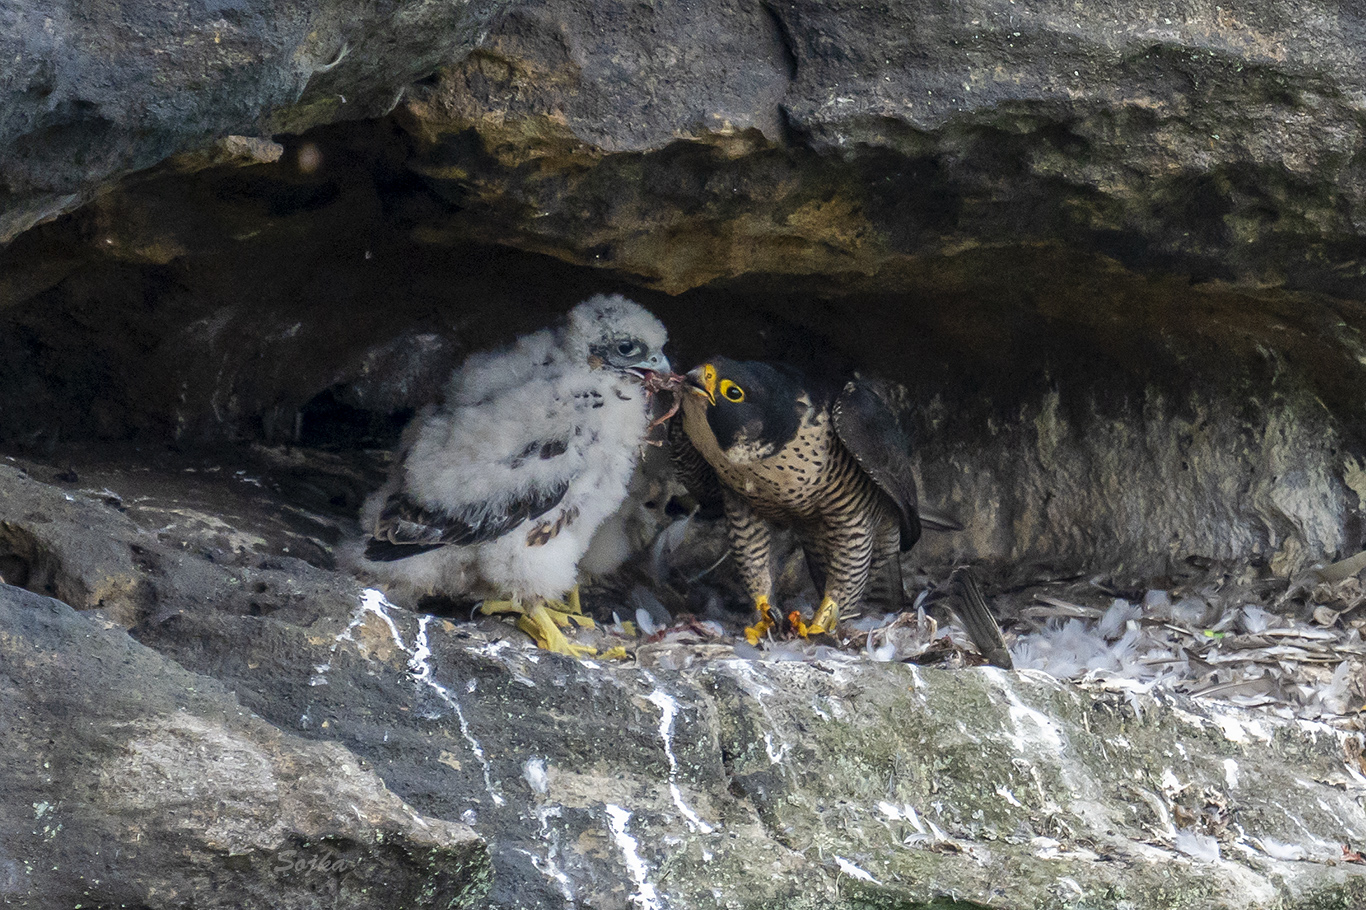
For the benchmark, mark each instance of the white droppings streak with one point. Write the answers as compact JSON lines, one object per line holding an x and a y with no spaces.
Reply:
{"x":548,"y":866}
{"x":422,"y":672}
{"x":1331,"y":847}
{"x":748,"y":680}
{"x":668,"y":710}
{"x":373,"y":601}
{"x":538,"y":778}
{"x":854,"y":871}
{"x":645,"y":896}
{"x":1232,"y":730}
{"x":1048,"y":736}
{"x":1231,"y":773}
{"x":1356,"y":836}
{"x":1009,"y":797}
{"x":775,"y":756}
{"x":1241,"y":732}
{"x":1072,"y":885}
{"x":1170,"y":783}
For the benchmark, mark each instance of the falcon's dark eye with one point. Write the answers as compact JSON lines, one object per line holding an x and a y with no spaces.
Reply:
{"x":627,"y":348}
{"x":732,"y":391}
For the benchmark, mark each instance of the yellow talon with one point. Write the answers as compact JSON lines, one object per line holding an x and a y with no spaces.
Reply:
{"x":826,"y":618}
{"x":571,"y":604}
{"x":493,"y":607}
{"x":755,"y":633}
{"x":543,"y":624}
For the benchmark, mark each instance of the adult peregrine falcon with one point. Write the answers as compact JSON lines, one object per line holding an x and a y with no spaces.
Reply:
{"x":499,"y":489}
{"x":830,"y":461}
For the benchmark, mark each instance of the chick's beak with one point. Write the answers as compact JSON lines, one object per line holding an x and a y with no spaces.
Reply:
{"x":655,"y":364}
{"x":702,"y":381}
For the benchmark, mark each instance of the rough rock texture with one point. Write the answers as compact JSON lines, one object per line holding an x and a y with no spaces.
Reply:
{"x":840,"y":137}
{"x":92,"y":92}
{"x":131,"y":782}
{"x":1226,"y":143}
{"x":687,"y":778}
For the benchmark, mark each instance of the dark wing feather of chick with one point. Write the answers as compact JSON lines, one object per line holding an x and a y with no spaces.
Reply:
{"x":406,"y":529}
{"x":693,"y":471}
{"x":874,"y":433}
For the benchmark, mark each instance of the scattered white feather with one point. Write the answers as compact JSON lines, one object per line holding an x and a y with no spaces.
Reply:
{"x":536,"y":776}
{"x":1197,"y":846}
{"x":1071,"y":649}
{"x":1189,"y":611}
{"x":714,"y":627}
{"x":1157,"y":602}
{"x":645,"y":622}
{"x":854,"y":871}
{"x":1255,"y":619}
{"x":1336,"y":696}
{"x":666,"y":544}
{"x":884,"y":652}
{"x":657,"y":615}
{"x":869,"y":623}
{"x":1116,"y":619}
{"x":1282,"y":851}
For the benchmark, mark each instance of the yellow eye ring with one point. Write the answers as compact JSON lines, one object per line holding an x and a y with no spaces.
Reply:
{"x":732,"y":391}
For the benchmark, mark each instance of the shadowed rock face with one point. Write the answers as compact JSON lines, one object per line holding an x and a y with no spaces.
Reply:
{"x":1114,"y":256}
{"x":1072,"y":415}
{"x":95,"y":91}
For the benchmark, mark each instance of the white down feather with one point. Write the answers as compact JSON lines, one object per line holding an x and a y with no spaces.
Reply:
{"x":479,"y":453}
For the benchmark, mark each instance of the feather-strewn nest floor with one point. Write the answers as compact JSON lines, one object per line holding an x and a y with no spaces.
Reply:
{"x":665,"y":593}
{"x":1232,"y":633}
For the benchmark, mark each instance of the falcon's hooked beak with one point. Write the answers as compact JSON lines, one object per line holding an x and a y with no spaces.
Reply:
{"x":650,"y":367}
{"x":702,"y":381}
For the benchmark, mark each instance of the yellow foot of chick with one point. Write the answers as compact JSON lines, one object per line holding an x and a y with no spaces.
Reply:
{"x":570,"y":609}
{"x":543,"y":624}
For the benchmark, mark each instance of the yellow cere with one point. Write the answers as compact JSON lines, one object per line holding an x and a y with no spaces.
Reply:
{"x":709,"y":382}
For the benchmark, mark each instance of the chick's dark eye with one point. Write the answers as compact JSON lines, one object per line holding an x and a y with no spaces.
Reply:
{"x":626,"y":348}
